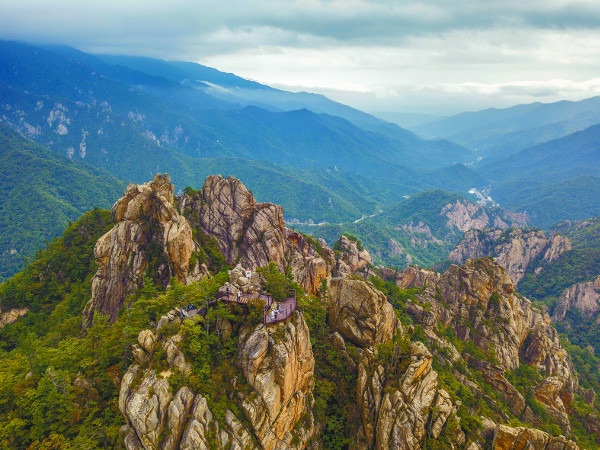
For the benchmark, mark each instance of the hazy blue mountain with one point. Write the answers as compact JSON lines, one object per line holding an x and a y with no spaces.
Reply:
{"x":236,"y":90}
{"x":64,"y":104}
{"x":407,"y":120}
{"x":552,"y":161}
{"x":546,"y":204}
{"x":496,"y":133}
{"x":40,"y":193}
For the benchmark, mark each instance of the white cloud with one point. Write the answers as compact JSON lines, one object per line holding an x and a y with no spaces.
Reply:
{"x":367,"y":53}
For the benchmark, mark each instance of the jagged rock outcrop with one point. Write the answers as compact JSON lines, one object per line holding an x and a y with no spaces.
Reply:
{"x":411,"y":277}
{"x":508,"y":438}
{"x":275,"y":361}
{"x":278,"y":363}
{"x":353,"y":257}
{"x":148,"y":231}
{"x":226,"y":210}
{"x":584,"y":297}
{"x":395,"y":408}
{"x":360,"y":313}
{"x":254,"y":234}
{"x":478,"y":302}
{"x":513,"y":249}
{"x":11,"y":316}
{"x":309,"y":264}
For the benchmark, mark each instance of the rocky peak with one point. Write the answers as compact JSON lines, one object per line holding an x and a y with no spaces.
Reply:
{"x":246,"y":231}
{"x":253,"y":234}
{"x":354,"y":257}
{"x":149,"y":233}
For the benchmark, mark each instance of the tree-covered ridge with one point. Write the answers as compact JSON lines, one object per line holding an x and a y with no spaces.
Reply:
{"x":40,"y":193}
{"x":60,"y":387}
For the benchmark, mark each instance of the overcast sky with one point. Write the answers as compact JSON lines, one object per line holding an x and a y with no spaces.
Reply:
{"x":435,"y":57}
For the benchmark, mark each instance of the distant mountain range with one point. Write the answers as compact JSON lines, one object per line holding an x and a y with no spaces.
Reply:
{"x":497,"y":133}
{"x":131,"y":117}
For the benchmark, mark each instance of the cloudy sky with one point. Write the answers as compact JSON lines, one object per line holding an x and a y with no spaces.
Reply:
{"x":436,"y":57}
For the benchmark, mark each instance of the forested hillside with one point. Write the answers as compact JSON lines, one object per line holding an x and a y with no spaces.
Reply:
{"x":40,"y":194}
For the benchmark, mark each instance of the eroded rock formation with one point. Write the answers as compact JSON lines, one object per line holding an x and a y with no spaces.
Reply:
{"x":276,"y":362}
{"x":513,"y":249}
{"x":360,"y":313}
{"x":149,"y":231}
{"x":477,"y":300}
{"x":584,"y":297}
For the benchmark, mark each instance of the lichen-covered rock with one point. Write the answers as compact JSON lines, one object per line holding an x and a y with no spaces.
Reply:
{"x":148,"y":230}
{"x":147,"y":339}
{"x":360,"y":312}
{"x":278,"y":363}
{"x":145,"y":406}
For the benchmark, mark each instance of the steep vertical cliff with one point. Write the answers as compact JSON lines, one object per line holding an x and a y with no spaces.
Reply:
{"x":149,"y":239}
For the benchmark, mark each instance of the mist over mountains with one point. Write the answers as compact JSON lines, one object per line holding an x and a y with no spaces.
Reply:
{"x":325,"y":162}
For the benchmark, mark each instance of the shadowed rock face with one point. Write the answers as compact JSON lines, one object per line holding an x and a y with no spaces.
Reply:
{"x":149,"y":230}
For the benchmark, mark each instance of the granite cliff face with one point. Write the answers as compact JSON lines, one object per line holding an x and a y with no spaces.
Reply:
{"x":466,"y":216}
{"x":477,"y":301}
{"x":360,"y":313}
{"x":514,"y":249}
{"x":584,"y":297}
{"x":275,"y":361}
{"x":399,"y":400}
{"x":249,"y":232}
{"x":149,"y":238}
{"x":254,"y":234}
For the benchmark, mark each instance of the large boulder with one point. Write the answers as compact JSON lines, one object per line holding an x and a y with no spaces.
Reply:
{"x":360,"y":312}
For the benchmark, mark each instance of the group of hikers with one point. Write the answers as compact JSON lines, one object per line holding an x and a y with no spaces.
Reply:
{"x":275,"y":311}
